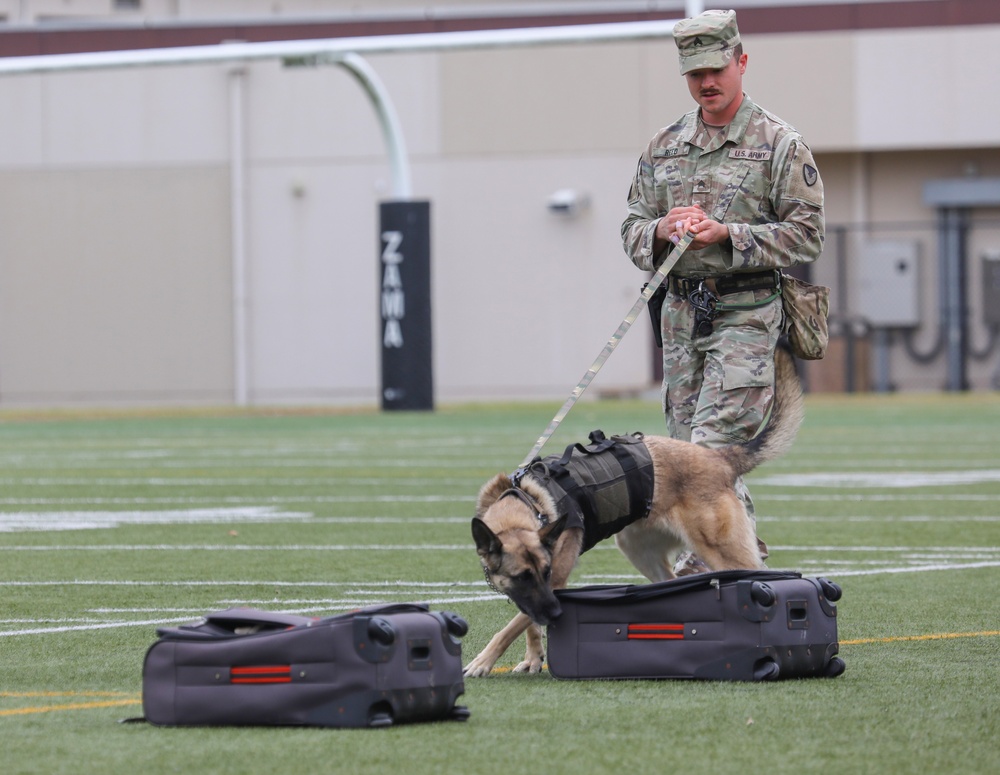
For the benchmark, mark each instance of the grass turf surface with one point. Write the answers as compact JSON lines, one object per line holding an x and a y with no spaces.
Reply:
{"x":110,"y":525}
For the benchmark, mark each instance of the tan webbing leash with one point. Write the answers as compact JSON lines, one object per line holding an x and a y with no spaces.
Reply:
{"x":655,"y":281}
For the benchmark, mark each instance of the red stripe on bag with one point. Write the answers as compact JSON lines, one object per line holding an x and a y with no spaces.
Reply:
{"x":656,"y":632}
{"x":262,"y":674}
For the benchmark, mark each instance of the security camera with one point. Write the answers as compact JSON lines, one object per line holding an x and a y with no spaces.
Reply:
{"x":568,"y":201}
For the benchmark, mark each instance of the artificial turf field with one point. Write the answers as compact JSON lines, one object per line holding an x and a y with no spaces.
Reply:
{"x":113,"y":525}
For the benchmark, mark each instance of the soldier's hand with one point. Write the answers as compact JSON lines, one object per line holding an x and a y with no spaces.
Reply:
{"x":708,"y":232}
{"x":675,"y":224}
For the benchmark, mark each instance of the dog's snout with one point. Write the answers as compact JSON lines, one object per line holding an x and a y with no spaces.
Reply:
{"x":550,"y":612}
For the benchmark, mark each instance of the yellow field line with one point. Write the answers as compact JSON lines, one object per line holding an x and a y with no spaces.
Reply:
{"x":935,"y":636}
{"x":70,"y":706}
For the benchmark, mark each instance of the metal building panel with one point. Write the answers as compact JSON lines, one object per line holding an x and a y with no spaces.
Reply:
{"x":889,"y":283}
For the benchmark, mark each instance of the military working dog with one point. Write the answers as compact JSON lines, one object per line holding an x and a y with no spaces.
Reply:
{"x":528,"y":548}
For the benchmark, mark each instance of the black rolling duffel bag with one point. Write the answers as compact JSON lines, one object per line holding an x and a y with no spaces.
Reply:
{"x":369,"y":668}
{"x":730,"y":625}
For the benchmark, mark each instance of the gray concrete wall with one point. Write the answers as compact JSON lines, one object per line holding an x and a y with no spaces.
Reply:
{"x":116,"y":209}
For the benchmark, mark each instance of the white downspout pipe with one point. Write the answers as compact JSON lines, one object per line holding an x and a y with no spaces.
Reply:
{"x":237,"y":198}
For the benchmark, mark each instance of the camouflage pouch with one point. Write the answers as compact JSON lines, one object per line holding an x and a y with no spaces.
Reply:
{"x":806,"y":309}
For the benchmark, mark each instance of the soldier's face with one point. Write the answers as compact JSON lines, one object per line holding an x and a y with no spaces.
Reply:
{"x":718,"y":92}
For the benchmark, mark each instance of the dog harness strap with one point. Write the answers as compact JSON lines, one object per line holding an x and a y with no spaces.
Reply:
{"x":519,"y":493}
{"x":602,"y":487}
{"x":639,"y":480}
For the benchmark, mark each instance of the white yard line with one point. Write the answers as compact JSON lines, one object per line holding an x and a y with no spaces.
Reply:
{"x":950,"y":550}
{"x":948,"y":519}
{"x":876,"y":497}
{"x":339,"y":606}
{"x":834,"y":573}
{"x":881,"y":479}
{"x":312,"y":499}
{"x":243,"y":548}
{"x":918,"y":568}
{"x":230,"y":583}
{"x":27,"y":521}
{"x":324,"y":480}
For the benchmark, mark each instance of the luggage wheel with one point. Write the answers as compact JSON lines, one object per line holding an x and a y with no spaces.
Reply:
{"x":835,"y":667}
{"x":455,"y":624}
{"x":381,"y":631}
{"x":380,"y":715}
{"x":766,"y":670}
{"x":762,"y":594}
{"x":380,"y":720}
{"x":831,"y":591}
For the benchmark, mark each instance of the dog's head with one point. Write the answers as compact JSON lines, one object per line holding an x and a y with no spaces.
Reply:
{"x":515,"y":547}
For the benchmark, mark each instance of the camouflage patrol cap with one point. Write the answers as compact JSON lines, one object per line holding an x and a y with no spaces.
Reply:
{"x":706,"y":41}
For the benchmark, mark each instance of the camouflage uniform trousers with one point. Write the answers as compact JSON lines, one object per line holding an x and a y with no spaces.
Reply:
{"x":718,"y":388}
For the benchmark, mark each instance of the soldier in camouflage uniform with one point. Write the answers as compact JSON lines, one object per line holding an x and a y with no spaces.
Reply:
{"x":746,"y":184}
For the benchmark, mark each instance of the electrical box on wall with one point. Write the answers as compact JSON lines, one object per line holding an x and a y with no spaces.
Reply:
{"x":991,"y":287}
{"x":889,"y":283}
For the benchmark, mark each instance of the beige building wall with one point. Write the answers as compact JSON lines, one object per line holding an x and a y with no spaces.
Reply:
{"x":117,"y":209}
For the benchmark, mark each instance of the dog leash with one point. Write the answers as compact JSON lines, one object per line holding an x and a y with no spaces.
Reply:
{"x":655,"y":281}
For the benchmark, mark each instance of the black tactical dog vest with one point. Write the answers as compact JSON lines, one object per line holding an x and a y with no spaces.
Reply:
{"x":601,"y":487}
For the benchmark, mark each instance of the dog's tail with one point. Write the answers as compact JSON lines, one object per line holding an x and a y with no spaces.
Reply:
{"x":787,"y":413}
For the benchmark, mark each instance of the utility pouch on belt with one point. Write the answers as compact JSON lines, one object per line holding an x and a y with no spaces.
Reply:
{"x":655,"y":307}
{"x":806,"y":308}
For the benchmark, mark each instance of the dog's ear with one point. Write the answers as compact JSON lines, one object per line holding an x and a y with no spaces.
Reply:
{"x":487,"y":543}
{"x":551,"y":532}
{"x":491,"y":491}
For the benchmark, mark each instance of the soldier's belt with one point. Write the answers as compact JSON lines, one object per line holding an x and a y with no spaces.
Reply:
{"x":721,"y":285}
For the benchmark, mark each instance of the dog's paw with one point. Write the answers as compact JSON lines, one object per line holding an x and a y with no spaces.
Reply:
{"x":478,"y":668}
{"x":532,"y":665}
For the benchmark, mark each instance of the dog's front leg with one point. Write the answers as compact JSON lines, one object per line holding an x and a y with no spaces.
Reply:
{"x":500,"y":642}
{"x":564,"y":558}
{"x":534,"y":654}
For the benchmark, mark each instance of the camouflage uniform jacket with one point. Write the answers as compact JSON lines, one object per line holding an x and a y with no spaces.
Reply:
{"x":757,"y":176}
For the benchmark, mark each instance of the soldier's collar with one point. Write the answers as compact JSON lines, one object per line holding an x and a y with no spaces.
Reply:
{"x":741,"y":121}
{"x":736,"y":129}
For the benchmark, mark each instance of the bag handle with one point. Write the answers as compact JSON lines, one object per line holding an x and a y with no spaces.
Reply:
{"x":385,"y":609}
{"x":624,"y":593}
{"x":224,"y":624}
{"x":250,"y":616}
